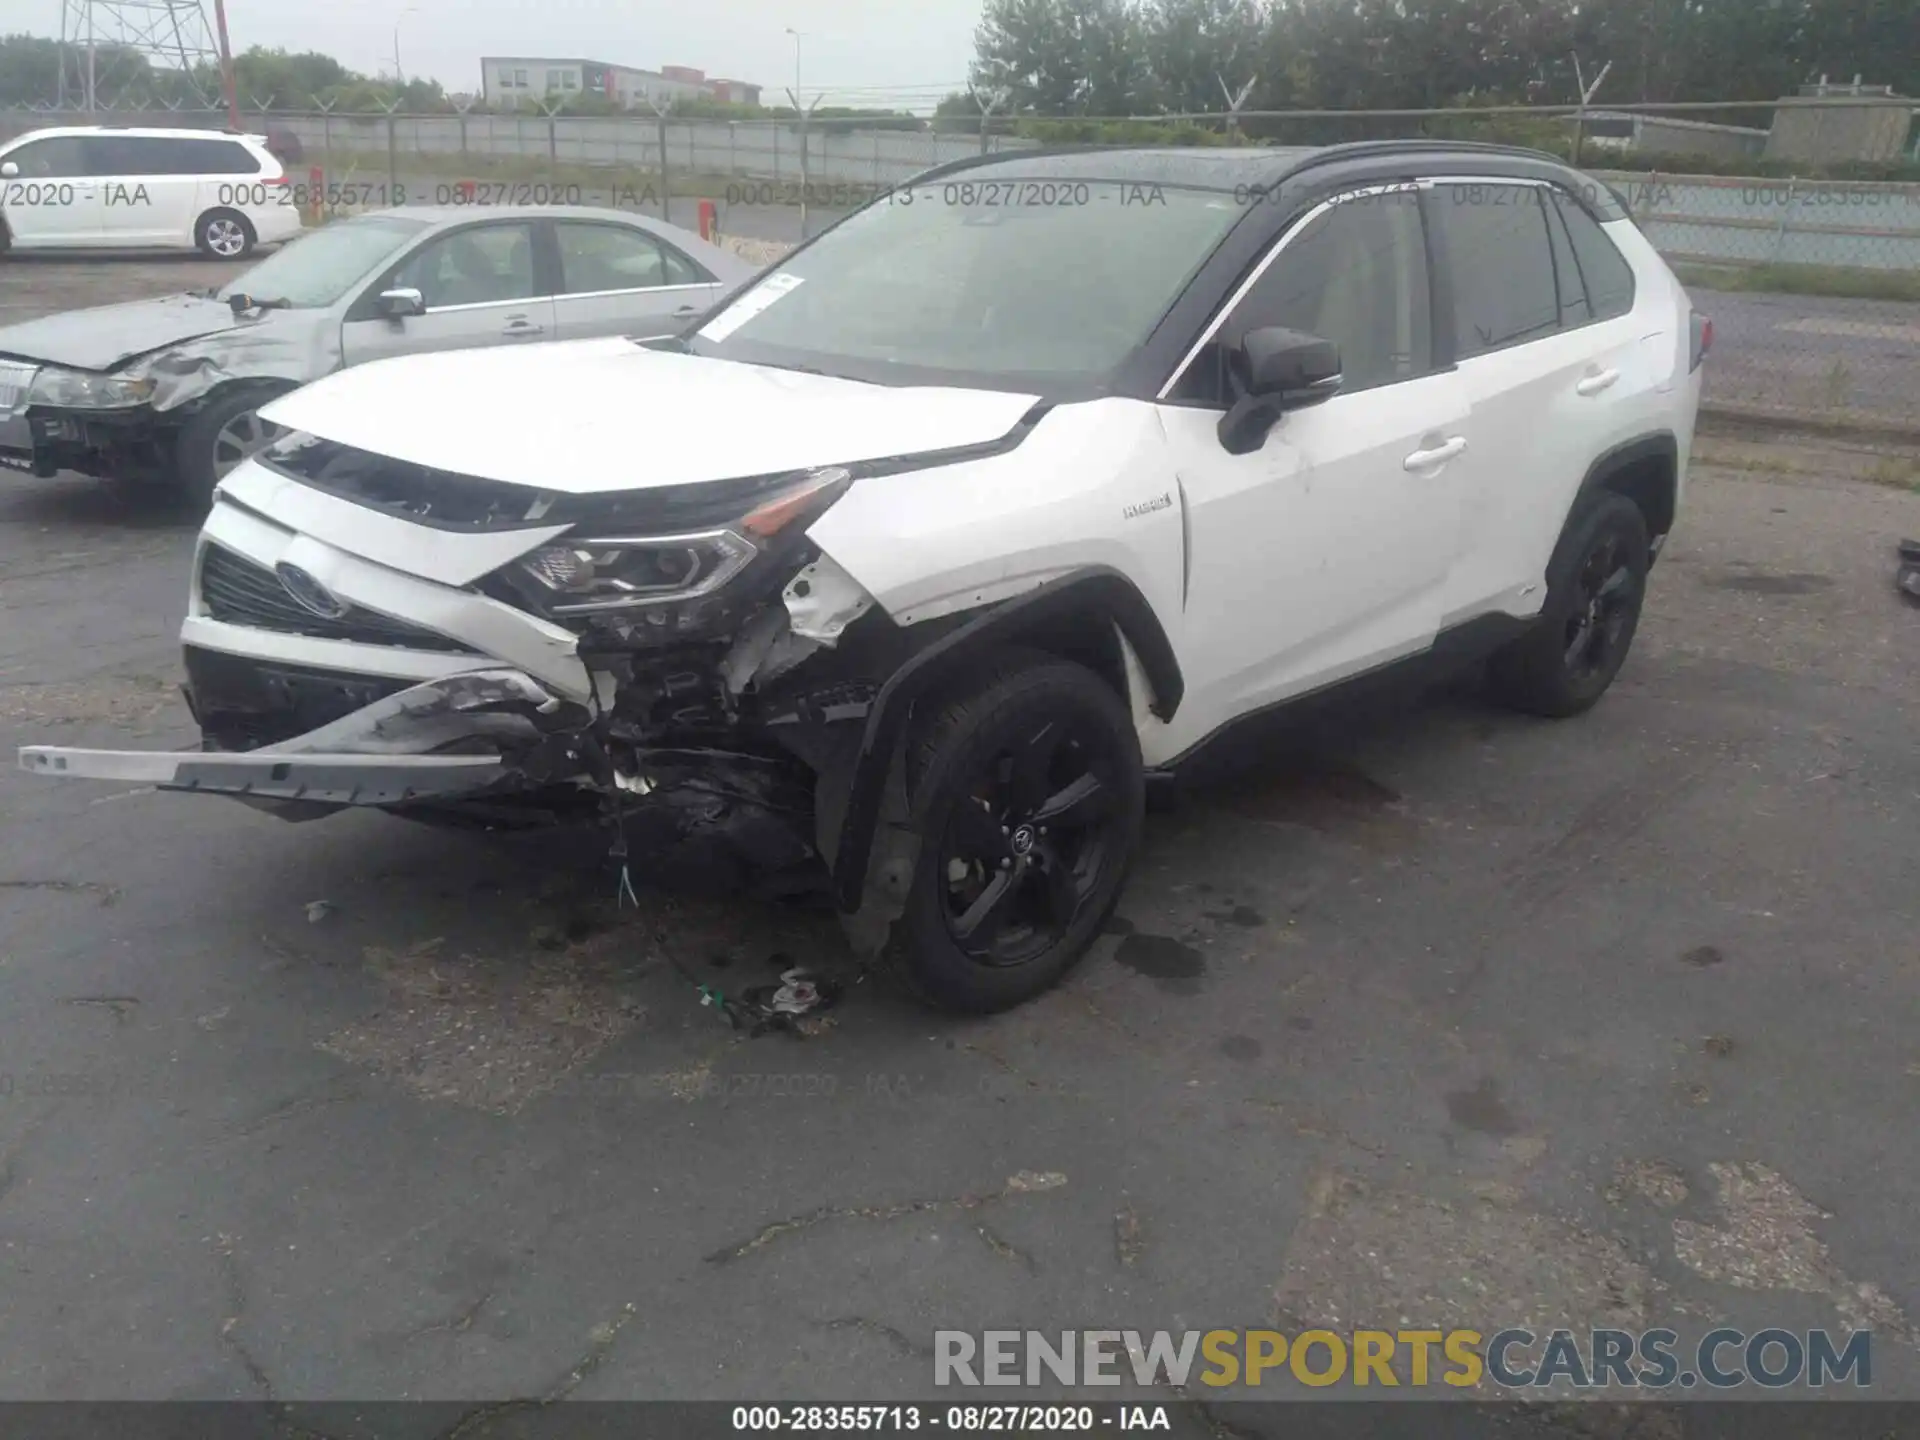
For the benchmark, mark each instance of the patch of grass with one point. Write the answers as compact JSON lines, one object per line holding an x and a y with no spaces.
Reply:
{"x":1896,"y":472}
{"x":1840,"y":281}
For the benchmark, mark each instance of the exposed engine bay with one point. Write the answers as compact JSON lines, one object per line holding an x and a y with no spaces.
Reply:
{"x":730,"y":668}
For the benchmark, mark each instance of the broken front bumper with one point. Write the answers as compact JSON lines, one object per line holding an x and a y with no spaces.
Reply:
{"x":390,"y":752}
{"x":126,"y":444}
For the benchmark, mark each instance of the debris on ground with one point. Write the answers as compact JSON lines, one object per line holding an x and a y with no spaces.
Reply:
{"x":318,"y":910}
{"x":1908,"y":576}
{"x":785,"y":1006}
{"x":1026,"y":1182}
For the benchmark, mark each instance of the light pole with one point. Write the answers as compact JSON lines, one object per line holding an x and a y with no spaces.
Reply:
{"x":797,"y":102}
{"x":399,"y":75}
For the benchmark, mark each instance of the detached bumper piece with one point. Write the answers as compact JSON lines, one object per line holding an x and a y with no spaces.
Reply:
{"x":383,"y":753}
{"x":322,"y":779}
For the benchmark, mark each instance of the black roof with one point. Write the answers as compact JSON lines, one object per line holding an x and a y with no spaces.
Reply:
{"x":1199,"y":165}
{"x":1266,"y":167}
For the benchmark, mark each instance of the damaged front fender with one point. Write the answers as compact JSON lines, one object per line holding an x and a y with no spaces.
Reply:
{"x":282,"y":349}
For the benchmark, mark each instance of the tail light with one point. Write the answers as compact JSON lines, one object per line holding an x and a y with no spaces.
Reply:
{"x":1702,"y":339}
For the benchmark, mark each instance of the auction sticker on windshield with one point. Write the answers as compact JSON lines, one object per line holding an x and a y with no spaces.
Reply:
{"x":761,"y":297}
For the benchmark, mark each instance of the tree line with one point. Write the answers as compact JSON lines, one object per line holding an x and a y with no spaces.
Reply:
{"x":1148,"y":57}
{"x":278,"y":79}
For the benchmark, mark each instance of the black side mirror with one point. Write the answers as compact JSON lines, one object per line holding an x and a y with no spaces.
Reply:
{"x":1276,"y":370}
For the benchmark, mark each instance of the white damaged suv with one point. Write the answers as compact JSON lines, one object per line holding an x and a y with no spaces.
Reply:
{"x":918,"y":559}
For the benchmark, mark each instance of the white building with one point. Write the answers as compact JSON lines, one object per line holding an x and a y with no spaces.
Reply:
{"x":510,"y":79}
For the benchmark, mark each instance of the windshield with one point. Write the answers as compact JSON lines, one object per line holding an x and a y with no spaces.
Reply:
{"x":317,"y":269}
{"x":1050,"y":281}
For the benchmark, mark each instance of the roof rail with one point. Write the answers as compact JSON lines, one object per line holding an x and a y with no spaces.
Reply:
{"x":1348,"y":150}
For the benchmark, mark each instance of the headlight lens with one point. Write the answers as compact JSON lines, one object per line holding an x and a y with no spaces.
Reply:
{"x":657,"y":589}
{"x":79,"y":390}
{"x":591,"y":577}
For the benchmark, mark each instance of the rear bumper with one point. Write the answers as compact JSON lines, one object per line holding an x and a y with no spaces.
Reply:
{"x":273,"y":224}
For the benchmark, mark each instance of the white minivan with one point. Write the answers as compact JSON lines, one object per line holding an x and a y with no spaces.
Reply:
{"x":105,"y":188}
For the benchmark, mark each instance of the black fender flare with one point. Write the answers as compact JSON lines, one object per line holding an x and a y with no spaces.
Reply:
{"x":1094,"y":587}
{"x":1659,"y":445}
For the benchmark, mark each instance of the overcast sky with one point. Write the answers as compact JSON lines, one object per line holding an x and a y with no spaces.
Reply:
{"x":846,"y":44}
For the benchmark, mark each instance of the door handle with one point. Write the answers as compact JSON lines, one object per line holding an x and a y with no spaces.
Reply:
{"x":1438,"y":455}
{"x":687,"y":312}
{"x":520,"y":326}
{"x":1594,"y":384}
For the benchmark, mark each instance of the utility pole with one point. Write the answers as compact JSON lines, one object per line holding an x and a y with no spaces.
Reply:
{"x":805,"y":113}
{"x":399,"y":75}
{"x":661,"y":113}
{"x":92,"y":97}
{"x":227,"y":82}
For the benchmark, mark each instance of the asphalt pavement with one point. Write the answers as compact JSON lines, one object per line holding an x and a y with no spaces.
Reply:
{"x":1450,"y":1018}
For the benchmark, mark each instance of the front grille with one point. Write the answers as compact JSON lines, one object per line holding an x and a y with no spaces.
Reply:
{"x":16,"y":379}
{"x":242,"y":704}
{"x":242,"y":593}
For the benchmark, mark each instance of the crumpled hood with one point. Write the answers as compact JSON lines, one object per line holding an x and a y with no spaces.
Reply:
{"x":590,"y":416}
{"x":107,"y":336}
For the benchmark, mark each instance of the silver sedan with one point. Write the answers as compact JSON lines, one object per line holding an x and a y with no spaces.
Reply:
{"x":167,"y":389}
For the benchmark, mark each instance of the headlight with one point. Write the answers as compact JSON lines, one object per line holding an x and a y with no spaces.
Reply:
{"x":79,"y":390}
{"x":588,"y":577}
{"x":655,"y":588}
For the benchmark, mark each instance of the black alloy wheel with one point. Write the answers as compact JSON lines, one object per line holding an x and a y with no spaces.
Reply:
{"x":1607,"y":601}
{"x":1596,"y":584}
{"x":1023,"y":852}
{"x":1028,"y":796}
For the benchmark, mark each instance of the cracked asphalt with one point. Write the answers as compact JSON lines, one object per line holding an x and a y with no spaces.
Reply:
{"x":1447,"y":1018}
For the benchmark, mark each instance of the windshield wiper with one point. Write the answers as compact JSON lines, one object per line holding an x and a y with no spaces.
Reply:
{"x":240,"y":304}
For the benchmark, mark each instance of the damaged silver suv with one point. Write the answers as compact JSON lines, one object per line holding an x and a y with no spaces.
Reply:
{"x":910,"y":564}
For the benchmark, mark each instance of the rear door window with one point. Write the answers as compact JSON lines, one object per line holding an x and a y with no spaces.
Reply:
{"x":1500,"y":260}
{"x":131,"y":156}
{"x":598,"y":258}
{"x":181,"y":157}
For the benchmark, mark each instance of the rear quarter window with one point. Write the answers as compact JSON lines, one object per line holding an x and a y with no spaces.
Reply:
{"x":1604,"y":270}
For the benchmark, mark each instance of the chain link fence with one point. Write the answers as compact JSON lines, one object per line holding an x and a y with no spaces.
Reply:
{"x":1796,"y":226}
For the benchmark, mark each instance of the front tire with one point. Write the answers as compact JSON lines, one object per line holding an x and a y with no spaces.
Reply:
{"x":1028,"y":797}
{"x":224,"y":432}
{"x":224,"y":235}
{"x":1596,"y":584}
